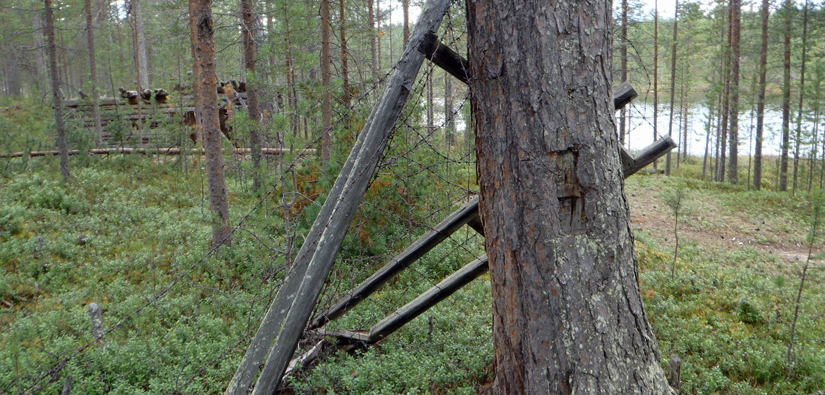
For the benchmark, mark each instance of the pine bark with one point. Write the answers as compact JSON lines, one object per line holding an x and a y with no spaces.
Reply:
{"x":207,"y":100}
{"x":51,"y":49}
{"x":250,"y":55}
{"x":326,"y":133}
{"x":567,"y":313}
{"x":735,"y":24}
{"x":786,"y":101}
{"x":798,"y":139}
{"x":760,"y":103}
{"x":90,"y":36}
{"x":672,"y":80}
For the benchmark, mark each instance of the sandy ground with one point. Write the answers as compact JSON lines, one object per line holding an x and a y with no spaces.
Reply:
{"x":711,"y":225}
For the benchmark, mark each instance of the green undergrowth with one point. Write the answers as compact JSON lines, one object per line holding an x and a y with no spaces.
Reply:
{"x":128,"y":231}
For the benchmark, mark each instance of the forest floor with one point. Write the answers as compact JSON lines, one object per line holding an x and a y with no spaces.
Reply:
{"x":131,"y":235}
{"x":711,"y":222}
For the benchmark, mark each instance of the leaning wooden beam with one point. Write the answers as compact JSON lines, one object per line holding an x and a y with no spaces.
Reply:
{"x":151,"y":151}
{"x":428,"y":299}
{"x":288,"y":314}
{"x":400,"y":262}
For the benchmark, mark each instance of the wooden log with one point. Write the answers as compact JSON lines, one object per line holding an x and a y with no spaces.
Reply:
{"x":400,"y":262}
{"x":287,"y":316}
{"x":345,"y":336}
{"x":67,"y":386}
{"x":652,"y":152}
{"x":304,"y":358}
{"x":444,"y":57}
{"x":96,"y":315}
{"x":675,"y":379}
{"x":428,"y":299}
{"x":154,"y":151}
{"x":623,"y":94}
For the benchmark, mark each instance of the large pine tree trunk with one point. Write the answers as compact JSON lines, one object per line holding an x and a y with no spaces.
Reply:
{"x":567,"y":313}
{"x":207,"y":100}
{"x":90,"y":35}
{"x":760,"y":104}
{"x":786,"y":101}
{"x":51,"y":48}
{"x":250,"y":55}
{"x":733,"y":165}
{"x":797,"y":140}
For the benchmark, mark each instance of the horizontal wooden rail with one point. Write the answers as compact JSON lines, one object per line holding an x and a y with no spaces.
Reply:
{"x":152,"y":151}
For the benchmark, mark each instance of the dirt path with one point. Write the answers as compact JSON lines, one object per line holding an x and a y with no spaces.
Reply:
{"x":710,"y":224}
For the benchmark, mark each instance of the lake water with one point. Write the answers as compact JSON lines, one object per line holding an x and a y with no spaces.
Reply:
{"x":641,"y":129}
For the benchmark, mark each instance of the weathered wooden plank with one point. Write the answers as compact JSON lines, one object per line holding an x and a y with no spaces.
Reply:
{"x":445,"y":58}
{"x":428,"y":299}
{"x":652,"y":152}
{"x":400,"y":262}
{"x":287,"y":316}
{"x":623,"y":94}
{"x":350,"y":337}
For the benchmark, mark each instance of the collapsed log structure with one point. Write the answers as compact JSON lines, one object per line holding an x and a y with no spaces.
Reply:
{"x":151,"y":109}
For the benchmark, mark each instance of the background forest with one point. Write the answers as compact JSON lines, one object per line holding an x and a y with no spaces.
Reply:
{"x":727,"y":242}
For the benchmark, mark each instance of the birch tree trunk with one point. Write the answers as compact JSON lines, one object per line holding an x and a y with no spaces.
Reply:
{"x":567,"y":313}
